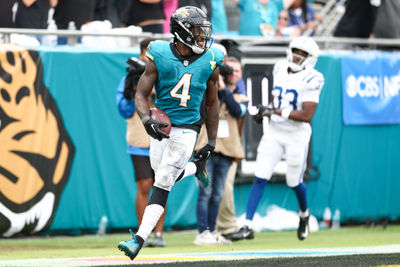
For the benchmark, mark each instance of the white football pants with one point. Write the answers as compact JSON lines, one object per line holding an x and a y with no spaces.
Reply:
{"x":274,"y":144}
{"x":169,"y":157}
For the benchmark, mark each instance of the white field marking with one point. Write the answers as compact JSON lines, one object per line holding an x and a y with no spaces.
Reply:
{"x":207,"y":256}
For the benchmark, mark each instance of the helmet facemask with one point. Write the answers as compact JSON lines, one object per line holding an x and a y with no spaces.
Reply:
{"x":297,"y":59}
{"x":197,"y":37}
{"x":302,"y":54}
{"x":190,"y":26}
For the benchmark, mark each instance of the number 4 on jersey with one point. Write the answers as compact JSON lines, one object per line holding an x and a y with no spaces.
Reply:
{"x":184,"y":87}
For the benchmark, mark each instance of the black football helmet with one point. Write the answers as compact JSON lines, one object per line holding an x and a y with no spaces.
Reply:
{"x":189,"y":24}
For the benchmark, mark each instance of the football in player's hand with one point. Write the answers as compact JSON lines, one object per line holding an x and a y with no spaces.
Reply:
{"x":161,"y":116}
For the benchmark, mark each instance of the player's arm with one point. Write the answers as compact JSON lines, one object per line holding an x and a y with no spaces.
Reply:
{"x":143,"y":91}
{"x":306,"y":114}
{"x":211,"y":116}
{"x":212,"y":105}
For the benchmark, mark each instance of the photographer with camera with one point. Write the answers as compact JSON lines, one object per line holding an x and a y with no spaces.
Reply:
{"x":138,"y":141}
{"x":233,"y":107}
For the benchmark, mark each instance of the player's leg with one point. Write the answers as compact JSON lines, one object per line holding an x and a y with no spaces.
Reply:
{"x":168,"y":158}
{"x":269,"y":153}
{"x":158,"y":231}
{"x":175,"y":155}
{"x":144,"y":177}
{"x":296,"y":158}
{"x":154,"y":208}
{"x":190,"y":169}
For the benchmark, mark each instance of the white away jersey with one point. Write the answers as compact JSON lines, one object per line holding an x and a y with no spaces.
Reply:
{"x":291,"y":90}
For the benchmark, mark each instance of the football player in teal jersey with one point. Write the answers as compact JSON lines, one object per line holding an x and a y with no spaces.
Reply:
{"x":182,"y":73}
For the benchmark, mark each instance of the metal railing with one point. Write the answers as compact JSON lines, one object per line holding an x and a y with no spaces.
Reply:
{"x":254,"y":43}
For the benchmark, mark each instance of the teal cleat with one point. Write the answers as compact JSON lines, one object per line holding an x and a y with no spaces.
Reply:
{"x":201,"y":173}
{"x":131,"y":247}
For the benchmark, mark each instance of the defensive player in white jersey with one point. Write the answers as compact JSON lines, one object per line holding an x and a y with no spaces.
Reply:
{"x":297,"y":86}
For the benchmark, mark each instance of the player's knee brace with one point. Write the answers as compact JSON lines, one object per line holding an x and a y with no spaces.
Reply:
{"x":159,"y":196}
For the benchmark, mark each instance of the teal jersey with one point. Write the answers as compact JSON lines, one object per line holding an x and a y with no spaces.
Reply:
{"x":181,"y":81}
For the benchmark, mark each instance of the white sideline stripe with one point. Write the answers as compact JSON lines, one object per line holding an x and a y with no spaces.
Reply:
{"x":207,"y":256}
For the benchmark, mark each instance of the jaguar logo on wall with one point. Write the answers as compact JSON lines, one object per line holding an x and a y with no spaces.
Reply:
{"x":36,"y":151}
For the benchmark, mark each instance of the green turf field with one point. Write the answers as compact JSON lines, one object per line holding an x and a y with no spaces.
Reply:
{"x":182,"y":242}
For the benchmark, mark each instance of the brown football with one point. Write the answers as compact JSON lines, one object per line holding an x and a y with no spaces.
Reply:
{"x":161,"y":116}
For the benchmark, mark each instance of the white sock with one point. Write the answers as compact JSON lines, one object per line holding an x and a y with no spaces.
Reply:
{"x":304,"y":214}
{"x":151,"y":215}
{"x":248,"y":223}
{"x":190,"y":169}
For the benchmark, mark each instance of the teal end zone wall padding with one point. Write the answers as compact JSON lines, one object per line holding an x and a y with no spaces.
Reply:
{"x":84,"y":84}
{"x":359,"y":173}
{"x":358,"y":164}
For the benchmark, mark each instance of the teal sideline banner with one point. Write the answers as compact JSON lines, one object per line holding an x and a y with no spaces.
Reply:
{"x":87,"y":174}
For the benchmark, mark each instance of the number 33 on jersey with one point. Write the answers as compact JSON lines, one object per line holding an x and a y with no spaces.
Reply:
{"x":302,"y":86}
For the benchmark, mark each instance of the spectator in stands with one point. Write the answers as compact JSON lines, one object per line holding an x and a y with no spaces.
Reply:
{"x":218,"y":17}
{"x":78,"y":11}
{"x":149,"y":16}
{"x":358,"y":20}
{"x":387,"y":23}
{"x":106,"y":10}
{"x":232,"y":107}
{"x":204,"y":5}
{"x":169,"y":7}
{"x":260,"y":17}
{"x":303,"y":16}
{"x":6,"y":13}
{"x":283,"y":29}
{"x":139,"y":141}
{"x":33,"y":14}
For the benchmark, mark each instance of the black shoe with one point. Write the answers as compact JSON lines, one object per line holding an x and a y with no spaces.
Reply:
{"x":243,"y":233}
{"x":302,"y":231}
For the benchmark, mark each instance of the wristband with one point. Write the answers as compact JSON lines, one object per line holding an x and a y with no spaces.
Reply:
{"x":145,"y":118}
{"x":212,"y":141}
{"x":285,"y":113}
